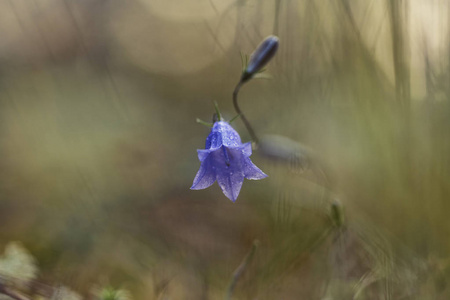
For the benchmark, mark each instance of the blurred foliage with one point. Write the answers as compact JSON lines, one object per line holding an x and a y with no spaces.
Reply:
{"x":113,"y":294}
{"x":18,"y":263}
{"x":98,"y":101}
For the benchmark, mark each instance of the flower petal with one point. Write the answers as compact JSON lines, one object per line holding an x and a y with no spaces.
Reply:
{"x":214,"y":139}
{"x":251,"y":171}
{"x":230,"y":137}
{"x":205,"y":177}
{"x":230,"y":176}
{"x":230,"y":183}
{"x":202,"y":154}
{"x":247,"y":149}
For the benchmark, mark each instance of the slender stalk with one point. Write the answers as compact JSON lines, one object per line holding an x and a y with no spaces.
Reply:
{"x":399,"y":17}
{"x":241,"y":114}
{"x":12,"y":294}
{"x":277,"y":17}
{"x":240,"y":270}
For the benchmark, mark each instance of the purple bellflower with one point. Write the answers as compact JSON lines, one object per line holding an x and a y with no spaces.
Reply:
{"x":226,"y":160}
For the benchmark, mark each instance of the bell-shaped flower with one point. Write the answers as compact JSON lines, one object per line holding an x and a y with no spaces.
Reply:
{"x":226,"y":160}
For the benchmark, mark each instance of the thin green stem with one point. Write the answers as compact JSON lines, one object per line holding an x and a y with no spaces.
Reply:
{"x":234,"y":118}
{"x":216,"y":106}
{"x":239,"y":112}
{"x":204,"y":123}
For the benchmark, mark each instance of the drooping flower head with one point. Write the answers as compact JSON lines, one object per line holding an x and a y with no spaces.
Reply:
{"x":226,"y":160}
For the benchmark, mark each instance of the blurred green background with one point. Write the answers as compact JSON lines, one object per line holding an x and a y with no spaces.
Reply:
{"x":98,"y":101}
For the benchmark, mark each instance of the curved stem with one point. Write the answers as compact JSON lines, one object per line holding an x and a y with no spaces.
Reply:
{"x":12,"y":294}
{"x":240,"y":270}
{"x":239,"y":112}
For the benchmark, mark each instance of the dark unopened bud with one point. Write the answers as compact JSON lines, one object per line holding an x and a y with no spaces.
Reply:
{"x":262,"y":55}
{"x":337,"y":213}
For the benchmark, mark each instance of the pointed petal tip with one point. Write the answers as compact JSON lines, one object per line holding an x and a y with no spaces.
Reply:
{"x":231,"y":199}
{"x":252,"y":172}
{"x":231,"y":183}
{"x":259,"y":177}
{"x":230,"y":195}
{"x":201,"y":185}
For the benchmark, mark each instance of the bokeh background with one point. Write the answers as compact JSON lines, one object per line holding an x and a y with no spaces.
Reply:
{"x":98,"y":139}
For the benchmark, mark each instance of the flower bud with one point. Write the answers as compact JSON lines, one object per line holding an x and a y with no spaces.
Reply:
{"x":337,"y":213}
{"x":262,"y":55}
{"x":284,"y":150}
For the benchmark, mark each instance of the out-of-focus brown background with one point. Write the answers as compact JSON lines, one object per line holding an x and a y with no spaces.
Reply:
{"x":98,"y":101}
